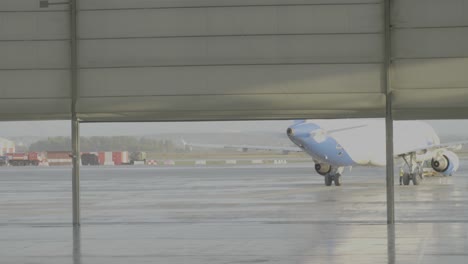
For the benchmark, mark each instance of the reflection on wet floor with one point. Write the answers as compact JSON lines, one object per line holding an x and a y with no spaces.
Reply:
{"x":391,"y":249}
{"x":229,"y":215}
{"x":76,"y":244}
{"x":235,"y":243}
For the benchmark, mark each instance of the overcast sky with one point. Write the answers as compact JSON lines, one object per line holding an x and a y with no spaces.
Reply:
{"x":62,"y":128}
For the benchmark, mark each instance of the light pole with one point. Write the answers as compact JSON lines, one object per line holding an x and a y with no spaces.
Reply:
{"x":75,"y":123}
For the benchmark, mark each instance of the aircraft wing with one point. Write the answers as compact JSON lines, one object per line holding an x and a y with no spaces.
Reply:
{"x":445,"y":146}
{"x":245,"y":147}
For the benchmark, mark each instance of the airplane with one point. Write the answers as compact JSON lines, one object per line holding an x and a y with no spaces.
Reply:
{"x":337,"y":144}
{"x":334,"y":146}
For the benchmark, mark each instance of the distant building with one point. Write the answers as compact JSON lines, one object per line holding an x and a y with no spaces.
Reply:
{"x":6,"y":146}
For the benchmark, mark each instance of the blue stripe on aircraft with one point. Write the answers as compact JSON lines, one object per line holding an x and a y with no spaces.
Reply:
{"x":327,"y":150}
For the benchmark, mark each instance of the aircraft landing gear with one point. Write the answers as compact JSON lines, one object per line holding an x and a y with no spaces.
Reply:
{"x":330,"y":178}
{"x":415,"y":174}
{"x":406,"y":178}
{"x":415,"y":177}
{"x":337,"y":179}
{"x":330,"y":174}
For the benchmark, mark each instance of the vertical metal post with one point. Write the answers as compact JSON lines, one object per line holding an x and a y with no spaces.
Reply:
{"x":76,"y":244}
{"x":76,"y":171}
{"x":75,"y":124}
{"x":389,"y":115}
{"x":391,"y":244}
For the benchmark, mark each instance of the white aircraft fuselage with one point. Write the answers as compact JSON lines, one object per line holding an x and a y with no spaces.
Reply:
{"x":359,"y":142}
{"x":336,"y":144}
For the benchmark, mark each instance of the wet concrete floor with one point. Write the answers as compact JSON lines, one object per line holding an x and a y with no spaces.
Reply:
{"x":251,"y":214}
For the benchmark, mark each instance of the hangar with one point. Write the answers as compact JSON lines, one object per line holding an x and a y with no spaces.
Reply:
{"x":185,"y":60}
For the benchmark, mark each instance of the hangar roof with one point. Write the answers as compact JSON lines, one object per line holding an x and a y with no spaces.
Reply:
{"x":233,"y":59}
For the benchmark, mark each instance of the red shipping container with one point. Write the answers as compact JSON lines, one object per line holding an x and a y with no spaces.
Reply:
{"x":105,"y":158}
{"x":101,"y":157}
{"x":120,"y":157}
{"x":117,"y":157}
{"x":58,"y":155}
{"x":59,"y":158}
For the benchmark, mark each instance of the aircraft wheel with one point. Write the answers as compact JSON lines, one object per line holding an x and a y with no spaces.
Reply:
{"x":337,"y":180}
{"x":417,"y":178}
{"x":328,"y":180}
{"x":406,"y":178}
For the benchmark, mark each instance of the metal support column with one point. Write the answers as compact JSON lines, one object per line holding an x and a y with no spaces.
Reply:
{"x":75,"y":124}
{"x":391,"y":244}
{"x":389,"y":116}
{"x":76,"y":171}
{"x":77,"y":245}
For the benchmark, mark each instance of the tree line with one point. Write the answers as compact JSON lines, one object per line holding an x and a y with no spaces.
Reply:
{"x":116,"y":143}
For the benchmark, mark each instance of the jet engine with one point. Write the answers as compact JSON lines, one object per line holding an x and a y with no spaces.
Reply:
{"x":322,"y":168}
{"x":446,"y":163}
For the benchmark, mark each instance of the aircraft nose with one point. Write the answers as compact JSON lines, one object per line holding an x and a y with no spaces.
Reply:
{"x":290,"y":132}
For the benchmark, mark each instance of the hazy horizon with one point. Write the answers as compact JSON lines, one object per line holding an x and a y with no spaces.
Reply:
{"x":62,"y":128}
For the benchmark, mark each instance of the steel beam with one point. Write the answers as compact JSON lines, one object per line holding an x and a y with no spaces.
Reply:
{"x":389,"y":116}
{"x":75,"y":124}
